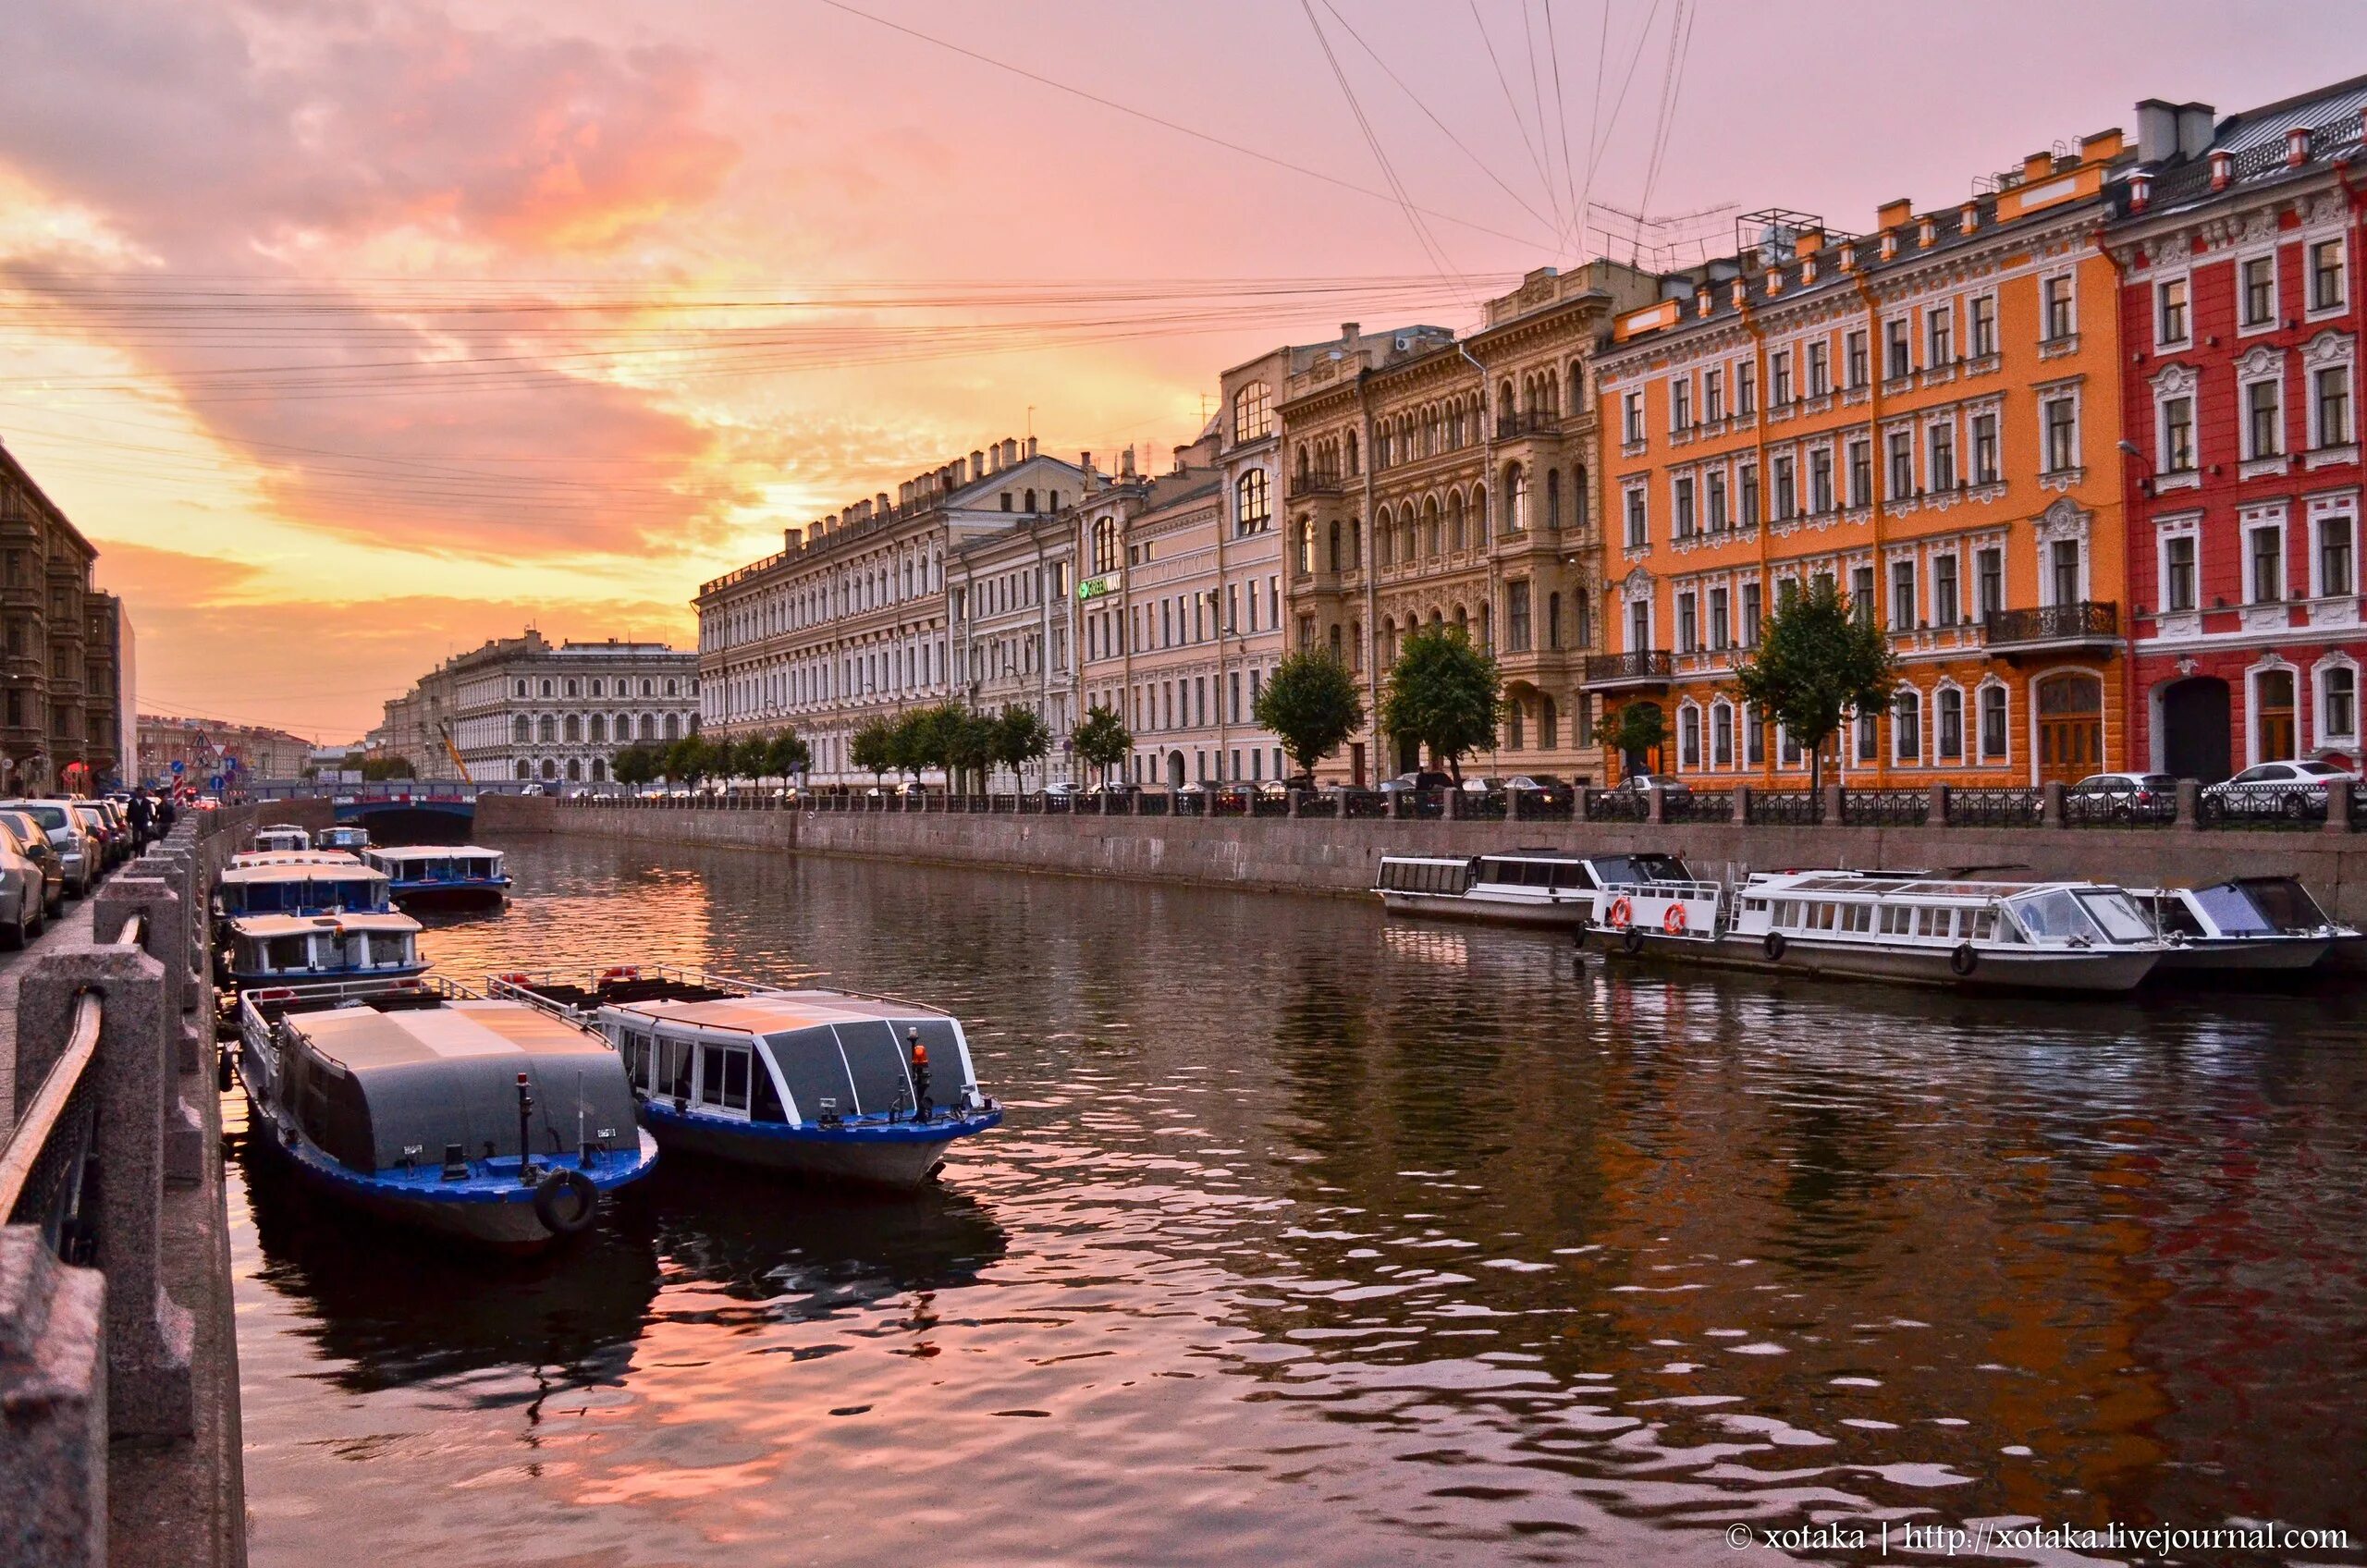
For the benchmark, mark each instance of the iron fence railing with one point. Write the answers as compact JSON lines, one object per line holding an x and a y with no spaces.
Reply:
{"x":1616,"y":805}
{"x":48,"y":1177}
{"x":1995,"y":808}
{"x":1363,"y":803}
{"x":1530,"y":806}
{"x":2095,"y":808}
{"x":1886,"y":808}
{"x":1798,"y":808}
{"x":2263,"y":805}
{"x":1699,"y":806}
{"x":1489,"y":807}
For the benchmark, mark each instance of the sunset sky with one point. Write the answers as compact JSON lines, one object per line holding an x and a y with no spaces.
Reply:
{"x":356,"y":332}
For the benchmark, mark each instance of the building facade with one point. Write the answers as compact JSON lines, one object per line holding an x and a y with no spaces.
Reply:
{"x":111,"y":679}
{"x":850,"y":622}
{"x":1927,"y":416}
{"x":1013,"y":619}
{"x":521,"y":710}
{"x":49,"y":720}
{"x":2241,"y":312}
{"x":207,"y":750}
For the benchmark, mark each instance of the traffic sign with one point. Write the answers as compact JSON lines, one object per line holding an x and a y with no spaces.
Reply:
{"x":178,"y":765}
{"x":215,"y":782}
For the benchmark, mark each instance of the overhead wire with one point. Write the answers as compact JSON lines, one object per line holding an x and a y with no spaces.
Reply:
{"x":1552,"y":197}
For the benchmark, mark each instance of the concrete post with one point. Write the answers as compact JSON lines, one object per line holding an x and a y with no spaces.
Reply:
{"x":1741,"y":806}
{"x":1297,"y":801}
{"x":53,"y":1388}
{"x":1829,"y":808}
{"x":1401,"y":805}
{"x":2338,"y":804}
{"x":148,"y":1335}
{"x":2050,"y":810}
{"x":2189,"y":804}
{"x":1656,"y":806}
{"x":1579,"y":803}
{"x":154,"y":899}
{"x":1453,"y":810}
{"x":1939,"y":809}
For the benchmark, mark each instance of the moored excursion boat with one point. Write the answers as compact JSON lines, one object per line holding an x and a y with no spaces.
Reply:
{"x":428,"y":1105}
{"x":1915,"y":928}
{"x":822,"y":1083}
{"x":281,"y":836}
{"x":1523,"y":887}
{"x":297,"y":882}
{"x":296,"y":949}
{"x":2244,"y":925}
{"x":445,"y":876}
{"x":353,"y":840}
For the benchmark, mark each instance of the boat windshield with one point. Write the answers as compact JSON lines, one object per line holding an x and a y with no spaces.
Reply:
{"x":2117,"y":913}
{"x":2285,"y":903}
{"x":2232,"y":909}
{"x":1618,"y":871}
{"x":2054,"y":916}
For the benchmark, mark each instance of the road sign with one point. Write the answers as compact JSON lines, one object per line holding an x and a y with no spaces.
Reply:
{"x":178,"y":765}
{"x":215,"y":782}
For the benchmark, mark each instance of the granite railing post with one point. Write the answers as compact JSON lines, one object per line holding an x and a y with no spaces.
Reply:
{"x":150,"y":1391}
{"x":1829,"y":805}
{"x":1452,"y":808}
{"x":1579,"y":803}
{"x":54,"y":1388}
{"x":154,"y":902}
{"x":1741,"y":806}
{"x":1296,"y":802}
{"x":2190,"y":815}
{"x":1656,"y":806}
{"x":2050,"y":809}
{"x":1401,"y":805}
{"x":2338,"y":806}
{"x":1937,"y":815}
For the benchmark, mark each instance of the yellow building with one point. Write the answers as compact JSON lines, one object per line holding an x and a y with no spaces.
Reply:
{"x":1925,"y":414}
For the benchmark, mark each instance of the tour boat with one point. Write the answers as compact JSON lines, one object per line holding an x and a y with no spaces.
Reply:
{"x":297,"y":882}
{"x":293,"y":950}
{"x":2224,"y":930}
{"x":2288,"y":907}
{"x":1916,"y":928}
{"x":353,"y":840}
{"x":1525,"y":887}
{"x":821,"y":1082}
{"x":446,"y":875}
{"x":282,"y":836}
{"x":428,"y":1105}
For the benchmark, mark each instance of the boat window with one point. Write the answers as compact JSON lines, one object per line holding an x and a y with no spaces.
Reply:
{"x":874,"y":1053}
{"x":723,"y":1076}
{"x":1498,"y":870}
{"x":1860,"y":918}
{"x":813,"y":1070}
{"x":2117,"y":913}
{"x":2173,"y":917}
{"x":1570,"y":874}
{"x":634,"y":1045}
{"x":2054,"y":916}
{"x":1984,"y":925}
{"x":2286,"y":904}
{"x":673,"y":1068}
{"x":766,"y":1105}
{"x":2231,"y":909}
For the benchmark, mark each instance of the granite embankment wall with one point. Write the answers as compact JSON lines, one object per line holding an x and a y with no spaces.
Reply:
{"x":1324,"y":855}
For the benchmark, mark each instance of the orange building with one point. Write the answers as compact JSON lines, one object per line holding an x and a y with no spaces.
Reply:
{"x":1928,"y":415}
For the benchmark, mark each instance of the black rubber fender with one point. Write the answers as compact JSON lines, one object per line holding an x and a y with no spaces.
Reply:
{"x":1631,"y":941}
{"x":1578,"y":933}
{"x":566,"y":1201}
{"x":1964,"y":961}
{"x":1774,"y":946}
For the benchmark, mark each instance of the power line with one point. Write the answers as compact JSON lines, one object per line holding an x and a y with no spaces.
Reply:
{"x":1552,"y":197}
{"x":1562,"y":121}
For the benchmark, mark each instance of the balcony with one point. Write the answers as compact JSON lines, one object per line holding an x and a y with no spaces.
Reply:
{"x":1535,"y":422}
{"x":1641,"y":668}
{"x":1305,"y":485}
{"x":2055,"y":627}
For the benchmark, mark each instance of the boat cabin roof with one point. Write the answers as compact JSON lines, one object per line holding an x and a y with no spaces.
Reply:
{"x":292,"y":857}
{"x":362,"y":1038}
{"x":771,"y":1013}
{"x":263,"y":926}
{"x":345,"y":868}
{"x":430,"y":852}
{"x":1428,"y":860}
{"x":1851,"y":884}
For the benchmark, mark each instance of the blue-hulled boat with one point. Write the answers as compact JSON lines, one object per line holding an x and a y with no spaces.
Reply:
{"x":297,"y":949}
{"x":297,"y":882}
{"x":428,"y":1105}
{"x":822,"y":1083}
{"x":441,"y":876}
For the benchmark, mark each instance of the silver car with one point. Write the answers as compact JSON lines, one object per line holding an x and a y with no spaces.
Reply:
{"x":24,"y":907}
{"x":78,"y":852}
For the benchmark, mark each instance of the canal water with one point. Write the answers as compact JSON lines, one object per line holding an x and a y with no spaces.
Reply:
{"x":1313,"y":1239}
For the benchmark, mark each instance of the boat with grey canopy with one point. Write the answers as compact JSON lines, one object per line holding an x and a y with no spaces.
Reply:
{"x":430,"y":1106}
{"x":824,"y":1082}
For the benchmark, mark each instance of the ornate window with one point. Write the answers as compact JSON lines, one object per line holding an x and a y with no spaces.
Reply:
{"x":1253,"y":413}
{"x":1253,"y":502}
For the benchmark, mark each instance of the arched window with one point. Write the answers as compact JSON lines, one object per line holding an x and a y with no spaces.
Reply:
{"x":1947,"y":732}
{"x":1253,"y":413}
{"x":1552,"y":498}
{"x":1479,"y":513}
{"x":1253,"y":502}
{"x":1306,"y":547}
{"x":595,"y":729}
{"x":1356,"y":544}
{"x":673,"y":727}
{"x":1384,"y":533}
{"x":1105,"y":545}
{"x":1688,"y":736}
{"x":521,"y":729}
{"x":1504,"y":408}
{"x":1577,"y":386}
{"x":1335,"y":544}
{"x":599,"y":771}
{"x":1553,"y":624}
{"x":1352,"y":452}
{"x":1516,"y":505}
{"x":574,"y":770}
{"x":1438,"y":533}
{"x":574,"y":729}
{"x":1031,"y":500}
{"x":547,"y":730}
{"x":1549,"y":724}
{"x":550,"y":769}
{"x":1721,"y":734}
{"x":521,"y":688}
{"x":1906,"y":725}
{"x":524,"y":769}
{"x":1578,"y":495}
{"x":547,"y":687}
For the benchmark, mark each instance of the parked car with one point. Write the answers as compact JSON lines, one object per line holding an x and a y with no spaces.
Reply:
{"x":1424,"y":780}
{"x":2276,"y":789}
{"x":113,"y":843}
{"x":78,"y":852}
{"x":1117,"y":789}
{"x":24,"y":892}
{"x":1064,"y":789}
{"x":1477,"y":786}
{"x":1545,"y":789}
{"x":1640,"y":782}
{"x":35,"y":845}
{"x":2126,"y":795}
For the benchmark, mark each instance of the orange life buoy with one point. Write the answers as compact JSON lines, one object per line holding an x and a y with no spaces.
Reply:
{"x":1622,"y":911}
{"x":1673,"y":921}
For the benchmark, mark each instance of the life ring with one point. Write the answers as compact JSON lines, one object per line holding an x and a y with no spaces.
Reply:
{"x":566,"y":1201}
{"x":1673,"y":921}
{"x":622,"y":972}
{"x":1631,"y":941}
{"x":1621,"y":913}
{"x":1964,"y":961}
{"x":1774,"y":946}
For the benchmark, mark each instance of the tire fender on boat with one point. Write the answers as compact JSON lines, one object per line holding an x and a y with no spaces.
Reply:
{"x":1964,"y":961}
{"x":1774,"y":946}
{"x":566,"y":1201}
{"x":1631,"y":941}
{"x":1578,"y":932}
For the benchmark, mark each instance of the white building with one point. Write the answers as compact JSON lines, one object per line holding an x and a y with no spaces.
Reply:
{"x":1014,"y":631}
{"x":519,"y":709}
{"x":851,"y":621}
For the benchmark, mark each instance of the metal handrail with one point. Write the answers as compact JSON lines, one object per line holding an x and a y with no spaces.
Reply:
{"x":30,"y":1138}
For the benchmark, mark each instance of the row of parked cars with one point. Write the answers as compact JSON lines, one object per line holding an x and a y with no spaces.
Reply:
{"x":52,"y":850}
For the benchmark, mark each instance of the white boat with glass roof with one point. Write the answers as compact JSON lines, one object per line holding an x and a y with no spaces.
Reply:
{"x":1519,"y":888}
{"x":2246,"y":924}
{"x":1917,"y":928}
{"x":298,"y":950}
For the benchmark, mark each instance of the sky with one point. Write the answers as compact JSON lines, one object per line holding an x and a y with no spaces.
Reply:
{"x":356,"y":332}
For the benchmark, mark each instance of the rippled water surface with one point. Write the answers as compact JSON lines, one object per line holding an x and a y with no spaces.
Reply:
{"x":1312,"y":1239}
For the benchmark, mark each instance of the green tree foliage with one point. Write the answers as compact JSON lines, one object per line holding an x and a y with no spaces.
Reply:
{"x":1818,"y":662}
{"x":1312,"y":704}
{"x":786,"y":755}
{"x":1636,"y":732}
{"x":1101,"y":740}
{"x":1445,"y":693}
{"x":873,"y":747}
{"x":377,"y":769}
{"x":969,"y":741}
{"x":1020,"y":737}
{"x":689,"y":759}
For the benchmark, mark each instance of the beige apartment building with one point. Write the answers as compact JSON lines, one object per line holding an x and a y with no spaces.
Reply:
{"x":1013,"y":617}
{"x":1433,"y":481}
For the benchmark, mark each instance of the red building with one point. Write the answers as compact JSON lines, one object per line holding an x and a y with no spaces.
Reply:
{"x":2239,"y":258}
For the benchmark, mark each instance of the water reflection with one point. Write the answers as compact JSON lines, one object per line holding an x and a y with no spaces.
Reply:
{"x":1465,"y":1244}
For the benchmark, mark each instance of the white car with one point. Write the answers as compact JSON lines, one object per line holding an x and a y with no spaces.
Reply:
{"x":2295,"y":788}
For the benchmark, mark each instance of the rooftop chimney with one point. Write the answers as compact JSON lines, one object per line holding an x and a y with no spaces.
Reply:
{"x":1348,"y":333}
{"x":2157,"y":130}
{"x":1031,"y":446}
{"x":1084,"y":461}
{"x":2196,"y":123}
{"x":1890,"y":214}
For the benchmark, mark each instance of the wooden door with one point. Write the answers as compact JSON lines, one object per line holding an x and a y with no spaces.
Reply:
{"x":2070,"y":728}
{"x":2275,"y":690}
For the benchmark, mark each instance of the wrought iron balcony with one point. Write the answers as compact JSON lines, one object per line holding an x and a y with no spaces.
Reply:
{"x":1642,"y":667}
{"x":1536,"y":421}
{"x":1314,"y":484}
{"x":2087,"y":622}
